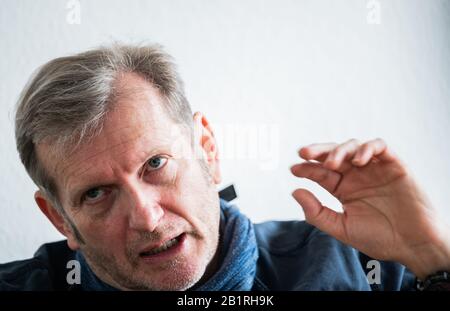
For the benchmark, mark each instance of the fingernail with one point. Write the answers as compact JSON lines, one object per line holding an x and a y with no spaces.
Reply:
{"x":356,"y":160}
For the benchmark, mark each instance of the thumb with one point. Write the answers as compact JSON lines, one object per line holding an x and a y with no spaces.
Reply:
{"x":319,"y":215}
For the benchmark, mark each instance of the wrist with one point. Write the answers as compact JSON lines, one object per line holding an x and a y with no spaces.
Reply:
{"x":428,"y":259}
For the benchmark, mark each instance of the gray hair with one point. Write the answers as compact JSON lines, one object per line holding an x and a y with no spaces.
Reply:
{"x":66,"y":100}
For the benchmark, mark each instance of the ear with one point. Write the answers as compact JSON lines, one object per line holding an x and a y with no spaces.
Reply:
{"x":58,"y":221}
{"x":204,"y":138}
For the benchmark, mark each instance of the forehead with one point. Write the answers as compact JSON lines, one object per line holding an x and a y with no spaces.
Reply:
{"x":135,"y":124}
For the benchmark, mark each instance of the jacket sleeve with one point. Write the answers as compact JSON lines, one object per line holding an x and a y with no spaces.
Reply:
{"x":25,"y":275}
{"x":387,"y":275}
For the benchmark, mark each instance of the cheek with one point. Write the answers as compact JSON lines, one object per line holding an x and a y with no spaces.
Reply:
{"x":201,"y":209}
{"x":107,"y":237}
{"x":193,"y":196}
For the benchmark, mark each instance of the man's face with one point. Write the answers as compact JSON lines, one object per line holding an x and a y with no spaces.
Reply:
{"x":148,"y":215}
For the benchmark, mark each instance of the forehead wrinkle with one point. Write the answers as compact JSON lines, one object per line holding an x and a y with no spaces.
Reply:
{"x":138,"y":135}
{"x":99,"y":153}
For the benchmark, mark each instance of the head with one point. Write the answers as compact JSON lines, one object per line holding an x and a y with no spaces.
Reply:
{"x":124,"y":169}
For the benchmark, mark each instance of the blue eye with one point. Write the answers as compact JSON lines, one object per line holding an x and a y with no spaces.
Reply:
{"x":156,"y":163}
{"x":94,"y":194}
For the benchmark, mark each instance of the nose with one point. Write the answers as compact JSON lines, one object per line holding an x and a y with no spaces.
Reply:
{"x":145,"y":211}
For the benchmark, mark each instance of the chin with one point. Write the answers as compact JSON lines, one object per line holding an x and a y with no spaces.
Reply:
{"x":178,"y":279}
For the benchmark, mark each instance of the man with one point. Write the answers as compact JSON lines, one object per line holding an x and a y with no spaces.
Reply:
{"x":128,"y":175}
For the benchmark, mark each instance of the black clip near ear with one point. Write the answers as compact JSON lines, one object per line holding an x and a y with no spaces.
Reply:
{"x":228,"y":193}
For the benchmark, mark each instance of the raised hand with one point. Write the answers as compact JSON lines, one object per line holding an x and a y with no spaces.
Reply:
{"x":385,"y":213}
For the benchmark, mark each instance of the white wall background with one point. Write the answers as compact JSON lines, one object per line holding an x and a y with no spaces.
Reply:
{"x":293,"y":72}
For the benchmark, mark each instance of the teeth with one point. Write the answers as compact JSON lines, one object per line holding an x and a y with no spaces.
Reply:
{"x":162,"y":248}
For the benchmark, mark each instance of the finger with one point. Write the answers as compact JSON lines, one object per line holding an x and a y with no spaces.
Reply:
{"x":316,"y":151}
{"x":320,"y":216}
{"x":371,"y":149}
{"x":336,"y":159}
{"x":326,"y":178}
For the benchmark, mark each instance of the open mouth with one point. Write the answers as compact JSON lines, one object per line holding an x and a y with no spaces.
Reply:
{"x":166,"y":247}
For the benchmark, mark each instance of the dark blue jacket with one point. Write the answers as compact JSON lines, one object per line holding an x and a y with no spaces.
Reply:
{"x":294,"y":255}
